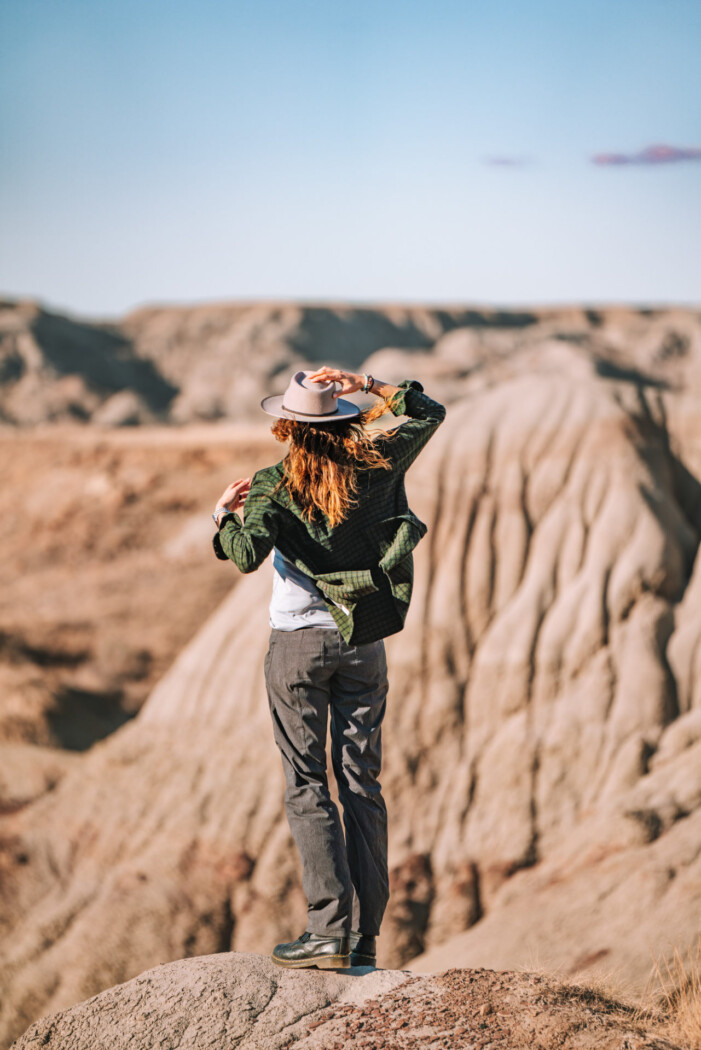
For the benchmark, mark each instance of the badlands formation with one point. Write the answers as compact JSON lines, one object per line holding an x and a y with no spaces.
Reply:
{"x":542,"y":745}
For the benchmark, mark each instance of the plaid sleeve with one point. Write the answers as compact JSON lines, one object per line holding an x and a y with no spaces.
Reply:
{"x":249,"y":543}
{"x":409,"y":438}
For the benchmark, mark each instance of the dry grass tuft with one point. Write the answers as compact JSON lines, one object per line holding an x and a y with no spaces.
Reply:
{"x":605,"y":990}
{"x":605,"y":984}
{"x":674,"y":990}
{"x":608,"y":985}
{"x":669,"y":1005}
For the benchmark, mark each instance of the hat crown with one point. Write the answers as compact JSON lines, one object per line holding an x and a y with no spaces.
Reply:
{"x":310,"y":398}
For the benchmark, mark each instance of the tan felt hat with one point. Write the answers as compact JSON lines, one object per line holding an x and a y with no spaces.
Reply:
{"x":308,"y":401}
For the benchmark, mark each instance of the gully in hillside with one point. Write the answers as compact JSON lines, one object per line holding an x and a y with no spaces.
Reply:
{"x":334,"y":514}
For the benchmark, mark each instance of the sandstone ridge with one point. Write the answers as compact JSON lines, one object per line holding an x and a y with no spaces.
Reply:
{"x":215,"y":361}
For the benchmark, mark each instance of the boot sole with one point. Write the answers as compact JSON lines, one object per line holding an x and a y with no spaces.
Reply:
{"x":330,"y":962}
{"x":363,"y":960}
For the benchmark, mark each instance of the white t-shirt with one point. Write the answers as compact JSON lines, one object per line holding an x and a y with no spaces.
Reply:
{"x":296,"y":601}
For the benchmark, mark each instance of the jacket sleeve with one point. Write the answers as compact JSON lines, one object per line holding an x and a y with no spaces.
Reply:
{"x":249,"y":543}
{"x":406,"y":441}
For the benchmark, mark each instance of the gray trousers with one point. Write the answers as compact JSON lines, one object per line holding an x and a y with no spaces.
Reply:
{"x":311,"y":673}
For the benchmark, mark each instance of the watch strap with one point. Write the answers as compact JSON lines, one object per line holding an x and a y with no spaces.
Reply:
{"x":225,"y":512}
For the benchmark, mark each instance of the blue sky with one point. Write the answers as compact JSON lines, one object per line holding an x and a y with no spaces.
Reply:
{"x":334,"y":150}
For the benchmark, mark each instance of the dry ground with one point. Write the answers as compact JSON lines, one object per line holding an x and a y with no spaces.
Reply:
{"x":106,"y":566}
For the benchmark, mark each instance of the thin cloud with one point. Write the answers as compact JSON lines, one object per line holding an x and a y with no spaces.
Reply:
{"x":649,"y":155}
{"x":506,"y":162}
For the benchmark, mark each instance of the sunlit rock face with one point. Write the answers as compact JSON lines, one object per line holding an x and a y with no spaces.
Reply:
{"x":245,"y":1000}
{"x":215,"y":361}
{"x":180,"y":364}
{"x":542,"y":745}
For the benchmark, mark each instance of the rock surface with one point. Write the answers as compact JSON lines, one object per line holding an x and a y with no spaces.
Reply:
{"x":541,"y":747}
{"x":174,"y":363}
{"x":246,"y":1001}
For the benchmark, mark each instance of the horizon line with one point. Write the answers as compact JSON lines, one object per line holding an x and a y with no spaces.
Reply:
{"x":336,"y":302}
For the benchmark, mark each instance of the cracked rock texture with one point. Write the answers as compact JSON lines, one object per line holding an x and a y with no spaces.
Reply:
{"x":246,"y":1002}
{"x":542,"y":745}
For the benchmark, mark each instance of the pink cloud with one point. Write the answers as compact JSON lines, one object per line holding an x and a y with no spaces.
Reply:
{"x":649,"y":155}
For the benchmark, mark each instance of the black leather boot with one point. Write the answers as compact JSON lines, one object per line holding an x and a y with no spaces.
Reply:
{"x":363,"y":950}
{"x":314,"y":949}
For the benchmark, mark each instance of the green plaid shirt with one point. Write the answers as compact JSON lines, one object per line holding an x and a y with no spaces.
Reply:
{"x":364,"y":566}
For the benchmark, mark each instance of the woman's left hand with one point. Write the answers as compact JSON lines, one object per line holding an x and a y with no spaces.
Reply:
{"x":234,"y":495}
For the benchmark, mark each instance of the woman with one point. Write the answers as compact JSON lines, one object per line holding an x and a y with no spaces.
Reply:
{"x":335,"y":514}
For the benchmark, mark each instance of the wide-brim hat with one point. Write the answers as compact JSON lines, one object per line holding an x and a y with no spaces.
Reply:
{"x":309,"y":402}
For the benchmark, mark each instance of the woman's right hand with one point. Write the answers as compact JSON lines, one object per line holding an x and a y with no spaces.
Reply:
{"x":350,"y":381}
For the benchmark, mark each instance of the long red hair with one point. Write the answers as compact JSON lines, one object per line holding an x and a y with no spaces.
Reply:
{"x":321,"y":466}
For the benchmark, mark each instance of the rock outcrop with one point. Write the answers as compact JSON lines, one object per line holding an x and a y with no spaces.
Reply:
{"x":542,"y":747}
{"x":181,"y":364}
{"x":54,"y":367}
{"x":247,"y":1001}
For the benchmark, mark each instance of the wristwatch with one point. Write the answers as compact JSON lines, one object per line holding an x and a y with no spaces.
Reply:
{"x":218,"y":511}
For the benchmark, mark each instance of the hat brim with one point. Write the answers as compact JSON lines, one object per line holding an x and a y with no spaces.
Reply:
{"x":273,"y":406}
